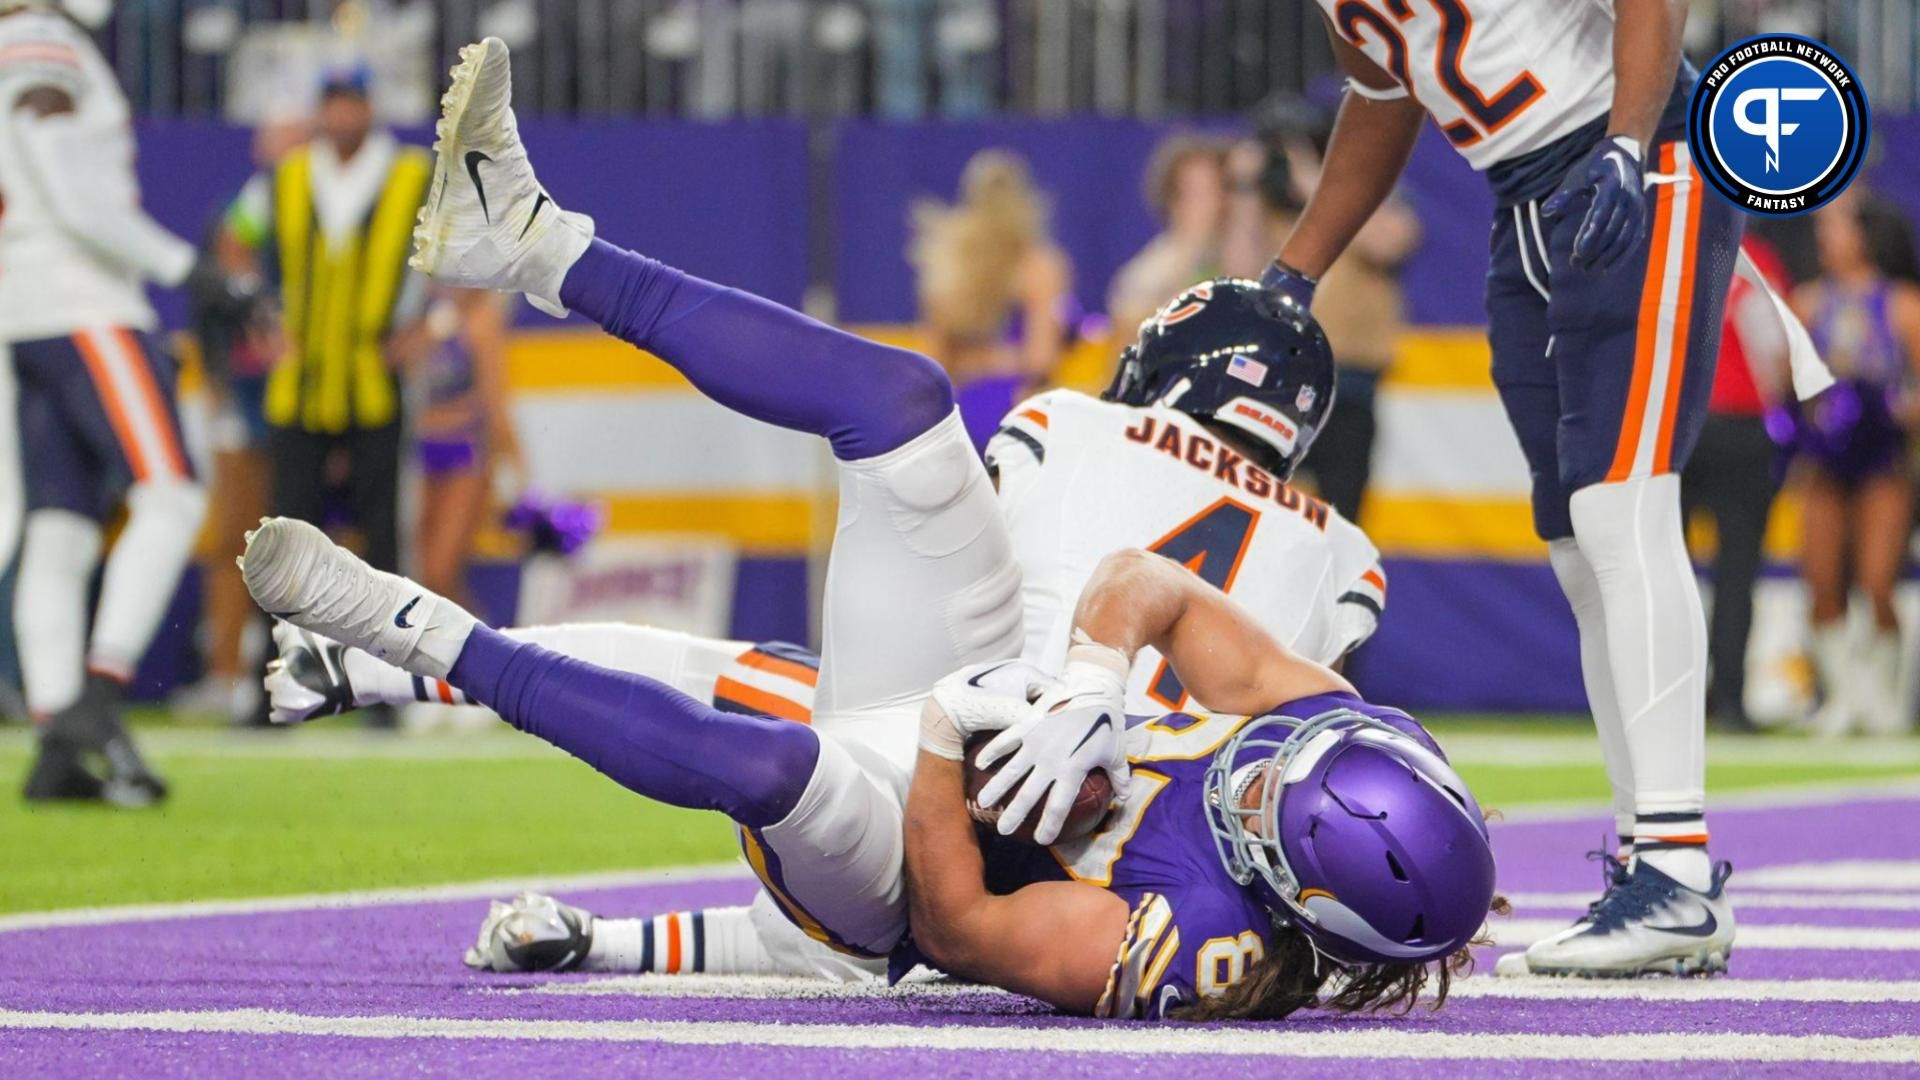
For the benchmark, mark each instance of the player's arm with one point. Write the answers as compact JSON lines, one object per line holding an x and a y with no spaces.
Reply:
{"x":64,"y":165}
{"x":1374,"y":135}
{"x":1055,"y":941}
{"x":1224,"y":657}
{"x":1646,"y":57}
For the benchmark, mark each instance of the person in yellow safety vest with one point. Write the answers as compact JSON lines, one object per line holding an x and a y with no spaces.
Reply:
{"x":330,"y":224}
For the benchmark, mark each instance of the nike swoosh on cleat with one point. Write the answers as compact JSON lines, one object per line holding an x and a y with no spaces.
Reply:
{"x":1104,"y":721}
{"x":474,"y":158}
{"x":400,"y":619}
{"x":537,"y":204}
{"x":1704,"y":929}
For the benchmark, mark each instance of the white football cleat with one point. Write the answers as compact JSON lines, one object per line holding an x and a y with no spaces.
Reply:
{"x":487,"y":222}
{"x":532,"y":933}
{"x":308,"y":678}
{"x":1646,"y":924}
{"x":298,"y":575}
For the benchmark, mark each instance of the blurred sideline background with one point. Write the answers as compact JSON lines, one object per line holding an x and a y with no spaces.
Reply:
{"x":778,"y":145}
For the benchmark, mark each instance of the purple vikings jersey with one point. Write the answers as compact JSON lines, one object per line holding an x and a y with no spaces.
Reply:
{"x":1194,"y":931}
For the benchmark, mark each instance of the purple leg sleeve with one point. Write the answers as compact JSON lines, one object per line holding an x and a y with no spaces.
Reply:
{"x":648,"y":737}
{"x":761,"y":359}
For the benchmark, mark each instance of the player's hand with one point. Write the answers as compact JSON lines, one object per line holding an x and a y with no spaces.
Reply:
{"x":308,"y":678}
{"x":1290,"y":283}
{"x":980,"y":697}
{"x":1613,"y":175}
{"x":1073,"y":730}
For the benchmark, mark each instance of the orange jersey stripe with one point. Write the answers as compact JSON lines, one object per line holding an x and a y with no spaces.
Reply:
{"x":156,"y":406}
{"x":1375,"y":579}
{"x":673,"y":944}
{"x":1682,"y":326}
{"x":1035,"y":415}
{"x":776,"y":665}
{"x":761,"y":701}
{"x":116,"y":409}
{"x":1650,"y":290}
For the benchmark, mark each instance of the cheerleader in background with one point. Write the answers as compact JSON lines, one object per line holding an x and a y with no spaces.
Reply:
{"x":1857,"y":482}
{"x":996,"y":292}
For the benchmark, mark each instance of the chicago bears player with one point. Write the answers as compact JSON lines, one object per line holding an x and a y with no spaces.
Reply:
{"x":821,"y":806}
{"x":96,"y":401}
{"x":1610,"y":272}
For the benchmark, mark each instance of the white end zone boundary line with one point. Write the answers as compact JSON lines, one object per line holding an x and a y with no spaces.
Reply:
{"x":1104,"y":1039}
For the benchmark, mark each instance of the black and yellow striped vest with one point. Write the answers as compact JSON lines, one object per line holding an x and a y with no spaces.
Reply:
{"x":338,"y":297}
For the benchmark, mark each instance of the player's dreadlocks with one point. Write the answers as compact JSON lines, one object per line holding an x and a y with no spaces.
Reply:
{"x":1293,"y":976}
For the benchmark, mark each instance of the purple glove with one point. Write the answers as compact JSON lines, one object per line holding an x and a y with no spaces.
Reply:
{"x":1290,"y":283}
{"x":1612,"y":176}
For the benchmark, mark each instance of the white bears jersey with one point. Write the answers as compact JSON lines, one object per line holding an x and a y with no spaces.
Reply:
{"x":51,"y":283}
{"x":1501,"y":78}
{"x":1080,"y":478}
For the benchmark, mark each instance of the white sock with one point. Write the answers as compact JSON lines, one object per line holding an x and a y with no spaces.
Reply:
{"x":1832,"y":666}
{"x":57,"y":557}
{"x":543,"y":267}
{"x":1582,"y":590}
{"x":715,"y":941}
{"x":1632,"y":535}
{"x":143,"y":571}
{"x":1877,"y":676}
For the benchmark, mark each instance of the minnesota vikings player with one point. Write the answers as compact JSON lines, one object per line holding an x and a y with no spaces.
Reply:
{"x":821,"y":806}
{"x":1610,"y":271}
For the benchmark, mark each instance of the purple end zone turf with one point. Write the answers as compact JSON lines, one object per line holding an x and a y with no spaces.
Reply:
{"x":402,"y":961}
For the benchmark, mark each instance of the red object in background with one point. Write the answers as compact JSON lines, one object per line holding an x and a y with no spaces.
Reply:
{"x":1734,"y":391}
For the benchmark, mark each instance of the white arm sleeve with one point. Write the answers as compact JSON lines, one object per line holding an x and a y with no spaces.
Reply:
{"x":63,"y":165}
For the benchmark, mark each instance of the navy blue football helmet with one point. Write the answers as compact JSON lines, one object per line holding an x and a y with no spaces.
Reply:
{"x":1245,"y":361}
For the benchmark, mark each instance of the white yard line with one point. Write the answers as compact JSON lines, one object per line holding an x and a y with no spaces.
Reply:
{"x":1492,"y":748}
{"x":471,"y":890}
{"x":1825,"y":793}
{"x":755,"y":988}
{"x":1842,"y":874}
{"x":1764,"y":936}
{"x":1105,"y":1039}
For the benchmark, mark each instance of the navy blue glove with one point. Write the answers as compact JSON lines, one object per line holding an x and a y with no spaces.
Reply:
{"x":1290,"y":283}
{"x":1613,"y":176}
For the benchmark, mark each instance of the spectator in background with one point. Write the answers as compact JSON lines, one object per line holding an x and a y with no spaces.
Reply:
{"x":1732,"y":474}
{"x":1359,"y":302}
{"x":1864,"y":314}
{"x":996,"y":292}
{"x":330,"y":225}
{"x":964,"y":35}
{"x":464,"y":429}
{"x":1187,"y":189}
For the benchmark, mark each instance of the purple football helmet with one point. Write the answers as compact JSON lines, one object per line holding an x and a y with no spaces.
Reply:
{"x":1368,"y":842}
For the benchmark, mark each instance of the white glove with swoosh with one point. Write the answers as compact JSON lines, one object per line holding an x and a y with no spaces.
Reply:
{"x":1068,"y":733}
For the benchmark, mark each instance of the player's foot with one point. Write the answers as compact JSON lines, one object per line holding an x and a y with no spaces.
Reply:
{"x":59,"y":775}
{"x":308,"y":678}
{"x":130,"y":782}
{"x":532,"y":933}
{"x":487,"y":222}
{"x":1646,"y":923}
{"x":301,"y":577}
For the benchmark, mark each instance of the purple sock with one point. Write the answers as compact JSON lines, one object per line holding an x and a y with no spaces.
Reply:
{"x":646,"y":736}
{"x":760,"y":359}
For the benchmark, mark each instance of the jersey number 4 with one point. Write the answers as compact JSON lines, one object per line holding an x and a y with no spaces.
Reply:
{"x":1212,"y":544}
{"x":1485,"y":115}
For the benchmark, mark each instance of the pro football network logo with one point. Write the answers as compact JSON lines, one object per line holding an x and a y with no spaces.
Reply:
{"x":1778,"y":124}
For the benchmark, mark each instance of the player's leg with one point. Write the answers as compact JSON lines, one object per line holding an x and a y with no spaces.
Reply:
{"x":1635,"y":348}
{"x":1825,"y":517}
{"x":1883,"y":516}
{"x":165,"y":502}
{"x":935,"y":587}
{"x":1518,"y":291}
{"x":826,"y":831}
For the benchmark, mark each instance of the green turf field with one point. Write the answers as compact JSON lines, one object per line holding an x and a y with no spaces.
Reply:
{"x":329,"y":808}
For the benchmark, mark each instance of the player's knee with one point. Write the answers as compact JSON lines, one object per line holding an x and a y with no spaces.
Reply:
{"x":912,"y":395}
{"x":179,"y":501}
{"x":59,"y":542}
{"x":783,"y":763}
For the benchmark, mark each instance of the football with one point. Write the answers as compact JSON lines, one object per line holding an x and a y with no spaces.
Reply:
{"x":1089,"y":807}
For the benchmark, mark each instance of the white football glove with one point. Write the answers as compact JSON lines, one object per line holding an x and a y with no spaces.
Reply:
{"x":1077,"y":727}
{"x":979,"y":697}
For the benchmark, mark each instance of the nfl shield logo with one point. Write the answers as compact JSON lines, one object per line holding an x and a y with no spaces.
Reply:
{"x":1305,"y":399}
